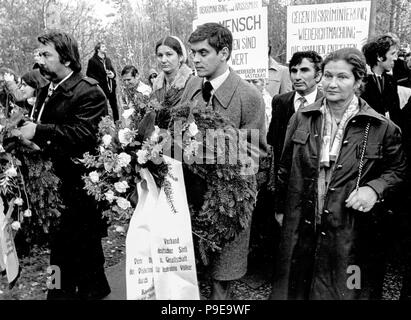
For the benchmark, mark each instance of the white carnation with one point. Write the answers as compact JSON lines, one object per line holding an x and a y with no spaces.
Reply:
{"x":124,"y":159}
{"x":123,"y":203}
{"x":107,"y":140}
{"x":11,"y":172}
{"x":27,"y":213}
{"x":121,"y":187}
{"x":142,"y":156}
{"x":128,"y":113}
{"x":16,"y":225}
{"x":110,"y":196}
{"x":18,"y":201}
{"x":94,"y":176}
{"x":124,"y":136}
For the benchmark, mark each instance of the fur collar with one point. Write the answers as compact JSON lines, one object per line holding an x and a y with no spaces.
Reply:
{"x":179,"y":81}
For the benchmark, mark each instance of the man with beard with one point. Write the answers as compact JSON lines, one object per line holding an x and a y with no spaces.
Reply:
{"x":100,"y":68}
{"x":67,"y":113}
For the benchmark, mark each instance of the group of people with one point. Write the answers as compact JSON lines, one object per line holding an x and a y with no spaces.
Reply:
{"x":340,"y":158}
{"x":334,"y":129}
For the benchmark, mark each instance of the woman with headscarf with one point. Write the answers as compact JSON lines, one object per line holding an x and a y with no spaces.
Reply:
{"x":340,"y":161}
{"x":170,"y":83}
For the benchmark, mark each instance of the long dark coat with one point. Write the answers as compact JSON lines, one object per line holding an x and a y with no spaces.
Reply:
{"x":95,"y":70}
{"x":68,"y":128}
{"x":314,"y":261}
{"x":387,"y":100}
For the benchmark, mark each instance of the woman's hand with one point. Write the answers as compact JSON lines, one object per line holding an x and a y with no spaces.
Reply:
{"x":362,"y":200}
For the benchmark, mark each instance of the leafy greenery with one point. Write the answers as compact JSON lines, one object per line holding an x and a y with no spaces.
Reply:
{"x":220,"y":196}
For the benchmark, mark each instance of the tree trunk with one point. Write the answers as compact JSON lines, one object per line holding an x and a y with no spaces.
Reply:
{"x":373,"y":14}
{"x":392,"y":15}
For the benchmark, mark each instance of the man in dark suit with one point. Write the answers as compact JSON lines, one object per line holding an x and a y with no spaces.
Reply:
{"x":67,"y":114}
{"x":100,"y":68}
{"x":380,"y":90}
{"x":305,"y":74}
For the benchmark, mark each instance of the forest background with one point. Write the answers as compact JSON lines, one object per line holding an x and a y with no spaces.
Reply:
{"x":130,"y":28}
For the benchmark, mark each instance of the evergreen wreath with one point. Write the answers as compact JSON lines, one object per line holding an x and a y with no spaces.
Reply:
{"x":221,"y":199}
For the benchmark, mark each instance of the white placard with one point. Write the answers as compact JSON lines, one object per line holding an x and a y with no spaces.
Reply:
{"x":325,"y":28}
{"x":247,"y":21}
{"x":160,"y":262}
{"x":210,"y":7}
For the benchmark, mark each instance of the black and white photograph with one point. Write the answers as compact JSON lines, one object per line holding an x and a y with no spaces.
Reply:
{"x":205,"y":150}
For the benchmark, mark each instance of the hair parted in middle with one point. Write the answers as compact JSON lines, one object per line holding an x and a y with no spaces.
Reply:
{"x":174,"y":43}
{"x":129,"y":69}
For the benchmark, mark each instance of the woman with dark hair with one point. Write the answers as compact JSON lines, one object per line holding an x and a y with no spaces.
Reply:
{"x":340,"y":160}
{"x":31,"y":82}
{"x":170,"y":83}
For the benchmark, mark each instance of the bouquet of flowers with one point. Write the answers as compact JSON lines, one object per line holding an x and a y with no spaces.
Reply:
{"x":124,"y":149}
{"x":28,"y":186}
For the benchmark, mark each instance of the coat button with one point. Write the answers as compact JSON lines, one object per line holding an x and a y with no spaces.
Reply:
{"x":316,"y":135}
{"x":48,"y":142}
{"x":332,"y":189}
{"x":354,"y":121}
{"x":326,"y":211}
{"x":323,"y":233}
{"x":339,"y":166}
{"x":345,"y":142}
{"x":307,"y":221}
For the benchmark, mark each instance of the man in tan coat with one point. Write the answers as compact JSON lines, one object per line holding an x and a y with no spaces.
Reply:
{"x":221,"y":87}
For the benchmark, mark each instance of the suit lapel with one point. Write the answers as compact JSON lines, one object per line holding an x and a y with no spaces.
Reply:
{"x":291,"y":109}
{"x":226,"y":91}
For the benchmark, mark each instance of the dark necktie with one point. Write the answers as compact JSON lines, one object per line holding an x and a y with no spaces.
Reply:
{"x":380,"y":83}
{"x":206,"y":90}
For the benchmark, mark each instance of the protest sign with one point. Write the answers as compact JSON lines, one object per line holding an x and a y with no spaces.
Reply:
{"x":160,"y":261}
{"x":247,"y":21}
{"x":325,"y":28}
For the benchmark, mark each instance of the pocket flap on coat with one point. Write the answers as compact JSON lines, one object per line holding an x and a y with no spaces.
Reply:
{"x":373,"y":151}
{"x":300,"y":136}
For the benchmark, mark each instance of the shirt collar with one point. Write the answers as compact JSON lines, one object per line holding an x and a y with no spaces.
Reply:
{"x":309,"y":97}
{"x":217,"y":82}
{"x":272,"y":64}
{"x":54,"y":87}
